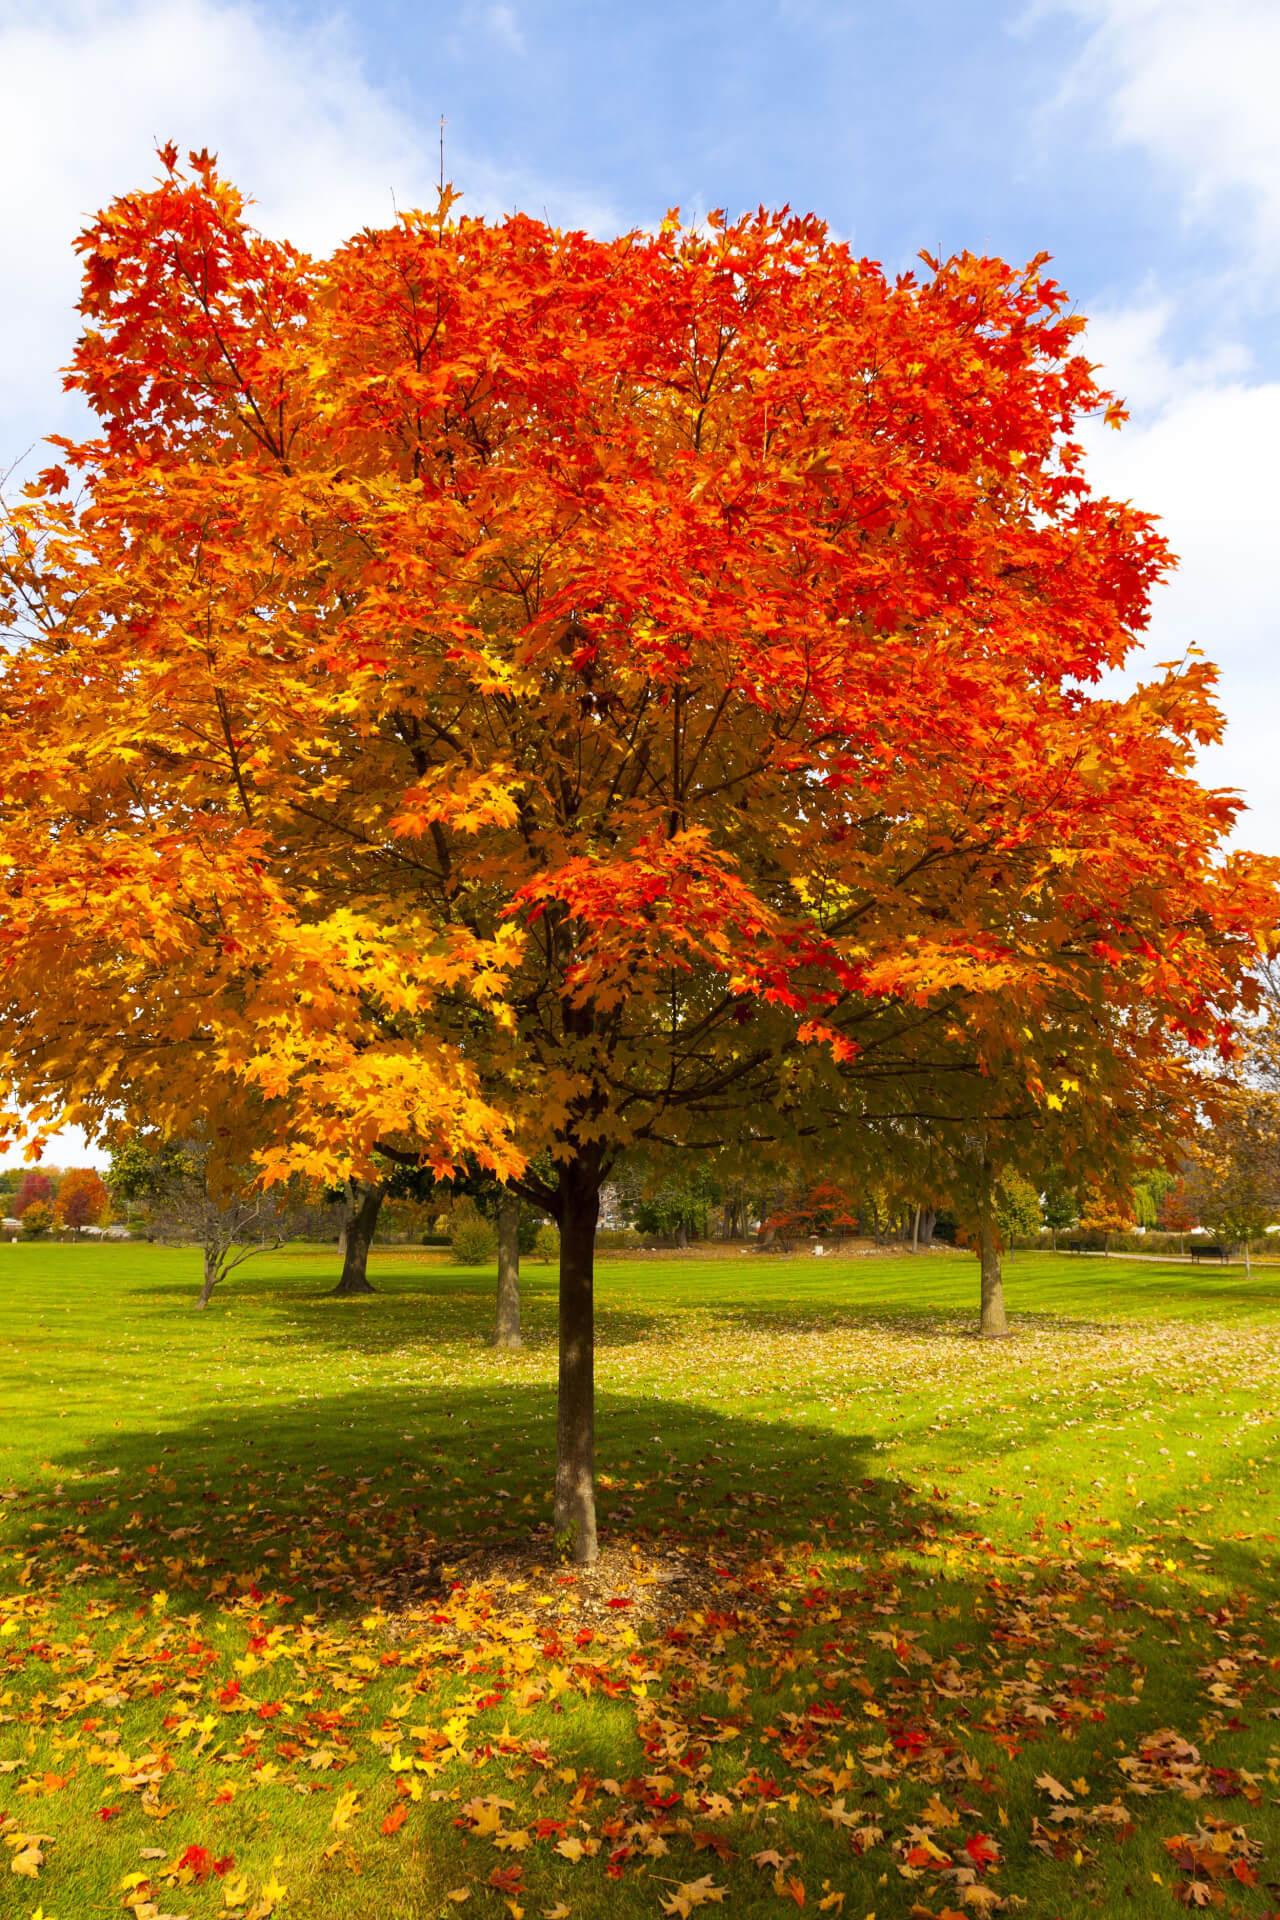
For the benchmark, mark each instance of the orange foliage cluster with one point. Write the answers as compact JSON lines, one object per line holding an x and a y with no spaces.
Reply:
{"x":495,"y":689}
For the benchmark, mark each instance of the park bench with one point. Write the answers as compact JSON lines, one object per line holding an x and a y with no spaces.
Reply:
{"x":1209,"y":1252}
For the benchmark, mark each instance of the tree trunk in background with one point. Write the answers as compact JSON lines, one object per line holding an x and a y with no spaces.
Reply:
{"x":507,"y":1331}
{"x":210,"y":1276}
{"x":915,"y":1231}
{"x":363,"y":1206}
{"x":993,"y":1324}
{"x":928,"y":1218}
{"x":575,"y":1508}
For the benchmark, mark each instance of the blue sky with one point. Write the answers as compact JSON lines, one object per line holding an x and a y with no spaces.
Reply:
{"x":917,"y":124}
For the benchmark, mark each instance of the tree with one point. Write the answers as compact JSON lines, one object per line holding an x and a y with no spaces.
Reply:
{"x":190,"y":1194}
{"x":1149,"y":1192}
{"x":33,"y":1186}
{"x":675,"y":1204}
{"x":822,"y":1211}
{"x":37,"y":1219}
{"x":471,"y":1236}
{"x":1018,"y":1209}
{"x":514,"y":1231}
{"x":363,"y":1204}
{"x":1059,"y":1205}
{"x":1177,"y":1210}
{"x":83,"y":1200}
{"x":507,"y":1216}
{"x":1105,"y":1210}
{"x":1233,"y":1182}
{"x":496,"y":699}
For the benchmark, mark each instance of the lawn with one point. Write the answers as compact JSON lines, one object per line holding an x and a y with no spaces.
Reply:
{"x":966,"y":1628}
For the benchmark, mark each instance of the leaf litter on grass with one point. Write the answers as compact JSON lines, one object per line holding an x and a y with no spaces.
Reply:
{"x":793,"y":1680}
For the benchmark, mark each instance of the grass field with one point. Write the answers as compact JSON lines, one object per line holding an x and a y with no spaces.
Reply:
{"x":969,"y":1628}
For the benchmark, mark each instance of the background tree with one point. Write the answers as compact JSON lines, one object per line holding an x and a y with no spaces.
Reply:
{"x":190,"y":1194}
{"x":472,"y":1237}
{"x":37,"y":1219}
{"x":677,"y":1205}
{"x":1059,"y":1205}
{"x":1233,"y":1182}
{"x":34,"y":1185}
{"x":1018,"y":1209}
{"x":822,"y":1211}
{"x":83,"y":1200}
{"x":1106,"y":1209}
{"x":561,"y":768}
{"x":1177,"y":1211}
{"x":507,"y":1222}
{"x":514,"y":1231}
{"x":362,"y":1203}
{"x":1148,"y":1194}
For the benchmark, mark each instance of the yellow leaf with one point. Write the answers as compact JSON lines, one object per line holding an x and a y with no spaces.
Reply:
{"x":28,"y":1860}
{"x":690,"y":1894}
{"x":344,"y":1810}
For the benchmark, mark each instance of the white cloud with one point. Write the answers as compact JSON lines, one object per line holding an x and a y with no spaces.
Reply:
{"x":1193,"y":83}
{"x":1200,"y":453}
{"x":1131,"y":345}
{"x":505,"y":28}
{"x":91,"y":89}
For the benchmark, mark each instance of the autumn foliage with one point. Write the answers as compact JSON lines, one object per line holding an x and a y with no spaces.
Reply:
{"x":83,"y":1200}
{"x":495,"y":692}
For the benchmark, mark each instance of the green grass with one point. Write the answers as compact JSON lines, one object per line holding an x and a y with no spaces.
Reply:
{"x":983,"y":1566}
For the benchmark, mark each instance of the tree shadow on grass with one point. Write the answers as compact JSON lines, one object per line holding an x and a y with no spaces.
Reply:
{"x":920,"y":1322}
{"x":325,"y":1497}
{"x":402,"y":1311}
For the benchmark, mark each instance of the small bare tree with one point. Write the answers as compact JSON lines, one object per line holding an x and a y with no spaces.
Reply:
{"x":186,"y":1197}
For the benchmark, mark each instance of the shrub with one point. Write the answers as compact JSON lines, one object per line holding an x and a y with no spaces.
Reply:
{"x":527,"y":1232}
{"x":546,"y":1243}
{"x":1150,"y":1242}
{"x":615,"y":1239}
{"x":37,"y":1219}
{"x":473,"y":1239}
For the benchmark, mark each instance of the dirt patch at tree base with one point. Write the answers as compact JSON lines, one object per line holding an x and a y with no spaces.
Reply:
{"x":524,"y":1580}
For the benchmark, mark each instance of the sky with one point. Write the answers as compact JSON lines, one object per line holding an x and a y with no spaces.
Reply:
{"x":1136,"y":141}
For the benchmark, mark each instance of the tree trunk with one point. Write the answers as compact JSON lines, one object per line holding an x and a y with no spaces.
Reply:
{"x":915,"y":1231}
{"x":363,"y":1206}
{"x":507,"y":1332}
{"x":211,"y":1264}
{"x":928,"y":1218}
{"x":575,"y":1508}
{"x":992,"y":1325}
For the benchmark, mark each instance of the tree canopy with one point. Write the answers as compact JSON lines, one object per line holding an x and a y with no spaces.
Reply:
{"x":495,"y":692}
